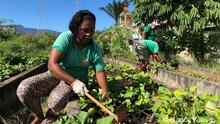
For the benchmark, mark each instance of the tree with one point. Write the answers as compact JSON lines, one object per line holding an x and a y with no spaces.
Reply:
{"x":6,"y":29}
{"x":190,"y":17}
{"x":114,"y":9}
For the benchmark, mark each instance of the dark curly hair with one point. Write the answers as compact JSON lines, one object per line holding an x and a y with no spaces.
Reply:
{"x":78,"y":18}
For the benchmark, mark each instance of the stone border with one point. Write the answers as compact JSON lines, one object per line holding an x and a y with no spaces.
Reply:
{"x":8,"y":97}
{"x":181,"y":81}
{"x":174,"y":80}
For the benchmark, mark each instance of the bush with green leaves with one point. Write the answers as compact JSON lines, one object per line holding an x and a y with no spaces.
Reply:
{"x":146,"y":102}
{"x":13,"y":64}
{"x":113,"y":42}
{"x":189,"y":19}
{"x":22,"y":52}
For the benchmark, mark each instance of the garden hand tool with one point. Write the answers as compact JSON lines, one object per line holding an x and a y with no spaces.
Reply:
{"x":121,"y":110}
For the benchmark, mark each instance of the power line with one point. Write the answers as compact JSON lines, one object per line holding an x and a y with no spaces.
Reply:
{"x":77,"y":4}
{"x":20,"y":9}
{"x":24,"y":4}
{"x":30,"y":4}
{"x":41,"y":15}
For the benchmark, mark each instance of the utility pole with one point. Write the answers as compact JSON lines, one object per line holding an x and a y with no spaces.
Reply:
{"x":41,"y":16}
{"x":77,"y":5}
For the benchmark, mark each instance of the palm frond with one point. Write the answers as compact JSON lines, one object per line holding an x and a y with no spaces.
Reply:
{"x":114,"y":9}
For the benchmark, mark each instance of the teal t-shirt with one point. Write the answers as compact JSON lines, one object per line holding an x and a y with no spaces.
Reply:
{"x":76,"y":60}
{"x":151,"y":33}
{"x":150,"y":45}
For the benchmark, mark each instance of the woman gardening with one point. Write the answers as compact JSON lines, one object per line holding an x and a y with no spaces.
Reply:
{"x":71,"y":54}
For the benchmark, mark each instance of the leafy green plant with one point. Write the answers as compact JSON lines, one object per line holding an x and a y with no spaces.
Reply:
{"x":112,"y":41}
{"x":189,"y":22}
{"x":146,"y":101}
{"x":22,"y":52}
{"x":13,"y":64}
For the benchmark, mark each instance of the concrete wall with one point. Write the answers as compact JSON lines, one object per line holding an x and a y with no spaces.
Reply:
{"x":182,"y":81}
{"x":8,"y":97}
{"x":174,"y":80}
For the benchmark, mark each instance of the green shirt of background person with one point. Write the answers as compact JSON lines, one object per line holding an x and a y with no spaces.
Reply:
{"x":149,"y":31}
{"x":152,"y":48}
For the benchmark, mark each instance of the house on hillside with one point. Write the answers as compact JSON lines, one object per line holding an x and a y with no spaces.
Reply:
{"x":10,"y":28}
{"x":125,"y":19}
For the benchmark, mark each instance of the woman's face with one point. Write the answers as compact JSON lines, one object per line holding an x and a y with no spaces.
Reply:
{"x":86,"y":31}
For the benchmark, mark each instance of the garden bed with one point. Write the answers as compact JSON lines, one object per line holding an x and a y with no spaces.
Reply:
{"x":9,"y":101}
{"x":146,"y":101}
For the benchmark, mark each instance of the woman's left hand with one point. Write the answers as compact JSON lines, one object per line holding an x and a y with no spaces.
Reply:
{"x":106,"y":96}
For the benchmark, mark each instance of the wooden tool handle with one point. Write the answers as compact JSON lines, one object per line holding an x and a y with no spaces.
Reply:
{"x":101,"y":106}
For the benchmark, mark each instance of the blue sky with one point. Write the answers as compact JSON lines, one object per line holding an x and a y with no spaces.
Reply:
{"x":53,"y":14}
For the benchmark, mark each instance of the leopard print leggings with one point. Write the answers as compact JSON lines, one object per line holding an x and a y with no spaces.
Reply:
{"x":140,"y":51}
{"x":31,"y":89}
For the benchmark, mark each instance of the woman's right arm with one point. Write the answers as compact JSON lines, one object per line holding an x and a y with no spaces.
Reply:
{"x":146,"y":31}
{"x":157,"y":57}
{"x":54,"y":66}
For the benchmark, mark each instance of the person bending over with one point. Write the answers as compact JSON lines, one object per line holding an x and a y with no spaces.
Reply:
{"x":147,"y":53}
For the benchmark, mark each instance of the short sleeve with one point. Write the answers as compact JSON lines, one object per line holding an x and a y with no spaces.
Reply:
{"x":97,"y":63}
{"x":156,"y":48}
{"x":147,"y":28}
{"x":62,"y":41}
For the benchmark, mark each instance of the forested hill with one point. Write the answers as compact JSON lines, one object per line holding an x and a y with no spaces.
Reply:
{"x":21,"y":29}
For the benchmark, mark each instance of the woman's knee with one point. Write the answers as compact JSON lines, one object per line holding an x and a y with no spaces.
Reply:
{"x":57,"y":104}
{"x":59,"y":97}
{"x":35,"y":86}
{"x":24,"y":90}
